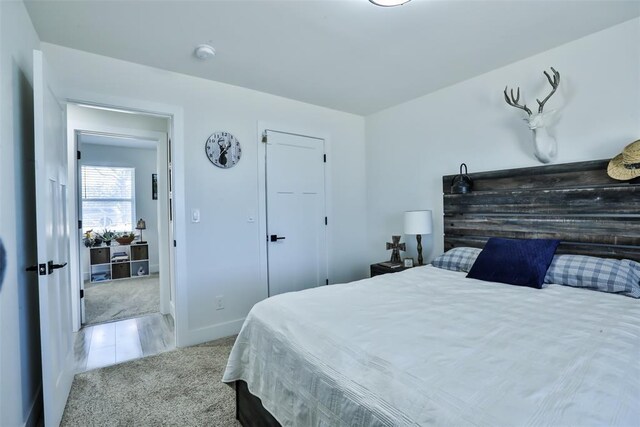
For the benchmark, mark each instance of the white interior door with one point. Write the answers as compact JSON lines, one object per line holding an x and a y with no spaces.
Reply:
{"x":54,"y":282}
{"x":296,"y":241}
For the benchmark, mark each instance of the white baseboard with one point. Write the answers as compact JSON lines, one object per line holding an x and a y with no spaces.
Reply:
{"x":35,"y":411}
{"x":210,"y":333}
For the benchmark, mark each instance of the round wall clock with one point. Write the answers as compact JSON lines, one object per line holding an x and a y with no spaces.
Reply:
{"x":223,"y":149}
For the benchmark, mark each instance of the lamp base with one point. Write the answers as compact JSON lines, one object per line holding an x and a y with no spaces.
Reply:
{"x":420,"y":259}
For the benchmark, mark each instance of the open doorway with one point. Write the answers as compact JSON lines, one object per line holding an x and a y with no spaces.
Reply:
{"x":125,"y":307}
{"x":119,"y":211}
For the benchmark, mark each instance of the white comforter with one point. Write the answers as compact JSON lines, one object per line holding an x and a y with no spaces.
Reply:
{"x":430,"y":347}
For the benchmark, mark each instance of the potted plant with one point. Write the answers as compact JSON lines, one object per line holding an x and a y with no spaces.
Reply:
{"x":87,"y":239}
{"x":108,"y":236}
{"x":97,"y":240}
{"x":91,"y":239}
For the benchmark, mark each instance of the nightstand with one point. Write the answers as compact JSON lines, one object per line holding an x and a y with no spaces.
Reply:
{"x":380,"y":268}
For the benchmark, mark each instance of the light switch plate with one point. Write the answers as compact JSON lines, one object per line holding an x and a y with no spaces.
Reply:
{"x":195,"y":215}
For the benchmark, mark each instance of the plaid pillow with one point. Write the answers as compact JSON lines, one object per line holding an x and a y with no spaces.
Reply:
{"x":457,"y":259}
{"x":600,"y":274}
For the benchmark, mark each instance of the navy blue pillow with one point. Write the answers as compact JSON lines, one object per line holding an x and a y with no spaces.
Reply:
{"x":514,"y":261}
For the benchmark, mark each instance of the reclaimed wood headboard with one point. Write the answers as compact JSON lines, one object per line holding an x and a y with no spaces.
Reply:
{"x":577,"y":203}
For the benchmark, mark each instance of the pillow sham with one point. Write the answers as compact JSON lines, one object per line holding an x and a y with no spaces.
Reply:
{"x":514,"y":261}
{"x":457,"y":259}
{"x":618,"y":276}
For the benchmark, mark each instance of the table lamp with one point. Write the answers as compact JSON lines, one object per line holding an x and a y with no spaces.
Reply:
{"x":141,"y":225}
{"x":418,"y":223}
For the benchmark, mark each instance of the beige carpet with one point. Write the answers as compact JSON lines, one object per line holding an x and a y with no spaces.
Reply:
{"x":121,"y":299}
{"x":178,"y":388}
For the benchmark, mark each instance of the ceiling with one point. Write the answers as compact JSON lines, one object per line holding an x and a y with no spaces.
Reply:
{"x":116,"y":141}
{"x":347,"y":55}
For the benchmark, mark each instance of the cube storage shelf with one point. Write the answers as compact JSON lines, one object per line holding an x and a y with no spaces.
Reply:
{"x":118,"y":262}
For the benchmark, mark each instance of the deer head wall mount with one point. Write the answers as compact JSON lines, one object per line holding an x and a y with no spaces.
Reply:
{"x":546,"y":147}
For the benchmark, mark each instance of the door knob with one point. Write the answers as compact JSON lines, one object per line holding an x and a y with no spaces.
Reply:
{"x":51,"y":266}
{"x":40,"y":268}
{"x":275,"y":238}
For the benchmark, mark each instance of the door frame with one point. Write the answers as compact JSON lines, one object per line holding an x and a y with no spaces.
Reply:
{"x":175,"y":115}
{"x":264,"y":126}
{"x":162,"y":147}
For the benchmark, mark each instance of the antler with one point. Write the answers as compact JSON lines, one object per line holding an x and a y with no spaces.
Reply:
{"x":554,"y":84}
{"x":513,"y":101}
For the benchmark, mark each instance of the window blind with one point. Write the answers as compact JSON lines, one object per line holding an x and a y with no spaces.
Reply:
{"x":108,"y":199}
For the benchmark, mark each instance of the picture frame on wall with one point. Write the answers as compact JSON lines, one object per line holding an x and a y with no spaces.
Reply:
{"x":154,"y":186}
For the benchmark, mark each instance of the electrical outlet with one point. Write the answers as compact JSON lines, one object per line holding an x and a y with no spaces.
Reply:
{"x":219,"y":302}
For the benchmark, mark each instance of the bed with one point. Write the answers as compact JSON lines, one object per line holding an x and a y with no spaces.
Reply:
{"x":431,"y":347}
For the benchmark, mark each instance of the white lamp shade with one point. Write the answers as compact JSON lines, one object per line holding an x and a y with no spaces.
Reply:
{"x":418,"y":222}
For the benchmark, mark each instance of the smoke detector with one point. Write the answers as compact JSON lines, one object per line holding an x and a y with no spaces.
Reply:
{"x":204,"y":52}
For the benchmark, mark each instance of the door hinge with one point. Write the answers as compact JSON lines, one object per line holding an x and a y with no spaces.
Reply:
{"x":81,"y":293}
{"x":264,"y":137}
{"x":324,"y":156}
{"x":79,"y":155}
{"x":326,"y":221}
{"x":326,"y":282}
{"x":79,"y":224}
{"x":174,"y":244}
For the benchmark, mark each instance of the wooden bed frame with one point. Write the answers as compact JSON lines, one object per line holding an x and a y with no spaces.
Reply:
{"x":249,"y":409}
{"x":577,"y":203}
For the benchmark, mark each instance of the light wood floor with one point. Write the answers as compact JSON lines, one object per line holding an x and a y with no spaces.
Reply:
{"x":110,"y":343}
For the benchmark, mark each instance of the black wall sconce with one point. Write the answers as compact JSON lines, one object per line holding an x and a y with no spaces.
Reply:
{"x":461,"y":184}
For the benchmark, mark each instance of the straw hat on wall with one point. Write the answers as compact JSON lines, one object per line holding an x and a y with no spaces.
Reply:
{"x":626,"y":166}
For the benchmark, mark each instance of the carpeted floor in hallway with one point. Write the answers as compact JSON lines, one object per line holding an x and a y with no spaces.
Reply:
{"x":179,"y":388}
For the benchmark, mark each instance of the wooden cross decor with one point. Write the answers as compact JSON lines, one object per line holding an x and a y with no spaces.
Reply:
{"x":397,"y":247}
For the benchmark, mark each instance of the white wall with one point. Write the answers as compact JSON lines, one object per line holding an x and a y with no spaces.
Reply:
{"x":95,"y":119}
{"x":20,"y":367}
{"x":223,"y":249}
{"x":144,"y":161}
{"x":412,"y":145}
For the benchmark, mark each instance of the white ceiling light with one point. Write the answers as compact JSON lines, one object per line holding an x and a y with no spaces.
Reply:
{"x":204,"y":51}
{"x":389,"y":3}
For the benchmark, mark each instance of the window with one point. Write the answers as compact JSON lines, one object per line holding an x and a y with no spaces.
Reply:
{"x":108,"y":198}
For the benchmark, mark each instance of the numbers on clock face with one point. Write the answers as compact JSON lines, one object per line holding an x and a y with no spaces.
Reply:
{"x":223,"y":149}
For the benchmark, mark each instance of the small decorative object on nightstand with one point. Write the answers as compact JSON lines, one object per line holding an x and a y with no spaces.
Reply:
{"x":397,"y":247}
{"x":418,"y":223}
{"x":408,"y":262}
